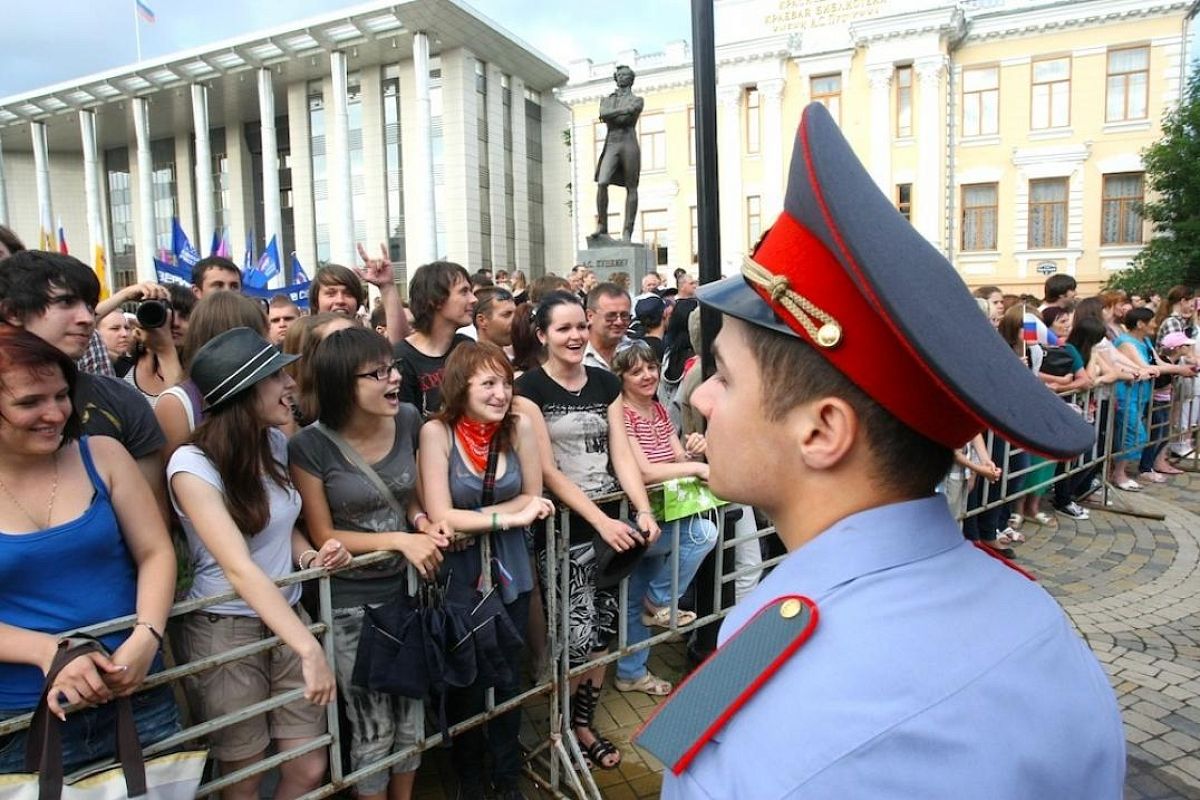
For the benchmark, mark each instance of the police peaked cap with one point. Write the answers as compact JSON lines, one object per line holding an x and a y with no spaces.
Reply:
{"x":843,"y":271}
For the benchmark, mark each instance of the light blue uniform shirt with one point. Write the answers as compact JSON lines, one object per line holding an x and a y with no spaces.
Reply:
{"x":935,"y":671}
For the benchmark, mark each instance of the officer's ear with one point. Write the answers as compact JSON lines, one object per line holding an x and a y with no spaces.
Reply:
{"x":824,"y":431}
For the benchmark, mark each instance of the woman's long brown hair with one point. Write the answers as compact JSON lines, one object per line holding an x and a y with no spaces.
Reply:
{"x":238,"y":444}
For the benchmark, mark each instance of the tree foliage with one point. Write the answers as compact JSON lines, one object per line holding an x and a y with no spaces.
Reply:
{"x":1172,"y":165}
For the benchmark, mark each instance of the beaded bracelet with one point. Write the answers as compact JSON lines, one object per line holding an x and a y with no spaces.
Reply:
{"x":153,"y":631}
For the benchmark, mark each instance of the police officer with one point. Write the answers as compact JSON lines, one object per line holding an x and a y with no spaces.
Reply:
{"x":885,"y":657}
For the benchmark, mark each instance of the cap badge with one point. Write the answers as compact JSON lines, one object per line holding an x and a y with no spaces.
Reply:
{"x":803,"y":310}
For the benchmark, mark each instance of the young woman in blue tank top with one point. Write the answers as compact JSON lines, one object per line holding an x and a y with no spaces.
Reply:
{"x":81,"y":542}
{"x":477,"y":393}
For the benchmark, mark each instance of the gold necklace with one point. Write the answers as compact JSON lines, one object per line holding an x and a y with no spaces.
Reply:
{"x":49,"y":506}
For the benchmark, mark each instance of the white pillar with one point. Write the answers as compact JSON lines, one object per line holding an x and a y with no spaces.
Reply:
{"x":774,"y":171}
{"x":880,"y":78}
{"x":146,"y":249}
{"x":204,"y":184}
{"x":41,"y":167}
{"x":3,"y":190}
{"x":91,"y":187}
{"x":422,"y":210}
{"x":272,"y":219}
{"x":931,"y":128}
{"x":497,"y":209}
{"x":341,"y":221}
{"x":733,"y":235}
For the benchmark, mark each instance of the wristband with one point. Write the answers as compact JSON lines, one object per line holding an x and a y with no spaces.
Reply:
{"x":300,"y":559}
{"x":153,"y":632}
{"x":650,"y":513}
{"x":495,"y":522}
{"x":416,"y":521}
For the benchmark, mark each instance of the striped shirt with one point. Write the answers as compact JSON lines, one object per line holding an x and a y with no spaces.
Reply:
{"x":652,"y":435}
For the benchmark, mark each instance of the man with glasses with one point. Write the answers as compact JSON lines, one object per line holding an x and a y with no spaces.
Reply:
{"x":608,"y":315}
{"x":54,"y":297}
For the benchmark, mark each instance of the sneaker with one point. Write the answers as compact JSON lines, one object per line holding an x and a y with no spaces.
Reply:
{"x":1095,"y":486}
{"x":1074,"y":511}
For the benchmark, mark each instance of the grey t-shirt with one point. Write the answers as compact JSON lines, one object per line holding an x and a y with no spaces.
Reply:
{"x":356,"y":505}
{"x":270,"y":548}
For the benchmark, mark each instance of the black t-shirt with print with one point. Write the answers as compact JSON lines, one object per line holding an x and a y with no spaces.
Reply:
{"x":111,"y":407}
{"x":421,"y":375}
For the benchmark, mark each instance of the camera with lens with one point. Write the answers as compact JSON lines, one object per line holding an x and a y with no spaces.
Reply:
{"x":153,"y":314}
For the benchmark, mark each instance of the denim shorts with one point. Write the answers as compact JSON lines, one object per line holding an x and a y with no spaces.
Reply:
{"x":90,"y":735}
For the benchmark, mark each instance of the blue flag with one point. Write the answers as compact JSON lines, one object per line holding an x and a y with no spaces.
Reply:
{"x":172,"y":273}
{"x":252,"y":276}
{"x":182,"y":248}
{"x":268,"y":262}
{"x":298,"y":273}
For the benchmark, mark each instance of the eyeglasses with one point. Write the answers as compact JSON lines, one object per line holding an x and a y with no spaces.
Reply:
{"x":613,"y":316}
{"x":380,"y":373}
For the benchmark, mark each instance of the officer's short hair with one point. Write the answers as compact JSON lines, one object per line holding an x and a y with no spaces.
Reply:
{"x":793,"y":373}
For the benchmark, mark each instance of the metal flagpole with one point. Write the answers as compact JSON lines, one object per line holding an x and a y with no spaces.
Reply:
{"x":137,"y":30}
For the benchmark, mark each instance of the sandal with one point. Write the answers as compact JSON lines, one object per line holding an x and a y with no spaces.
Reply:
{"x":1167,"y":470}
{"x":583,"y":714}
{"x":1047,"y":519}
{"x":1015,"y":520}
{"x":1002,"y":540}
{"x":1129,"y":485}
{"x":1153,"y":477}
{"x":661,"y":617}
{"x":649,"y":683}
{"x":1016,"y":536}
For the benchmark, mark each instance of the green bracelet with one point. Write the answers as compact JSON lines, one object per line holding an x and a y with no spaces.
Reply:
{"x":495,"y":521}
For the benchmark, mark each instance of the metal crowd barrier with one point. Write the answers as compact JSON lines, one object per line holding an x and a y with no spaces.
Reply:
{"x":555,"y":762}
{"x":1164,"y":422}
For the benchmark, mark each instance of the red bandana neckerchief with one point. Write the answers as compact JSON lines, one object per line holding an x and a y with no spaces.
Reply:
{"x":475,"y":438}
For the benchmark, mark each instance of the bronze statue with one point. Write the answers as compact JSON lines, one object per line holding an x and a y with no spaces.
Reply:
{"x":621,"y":160}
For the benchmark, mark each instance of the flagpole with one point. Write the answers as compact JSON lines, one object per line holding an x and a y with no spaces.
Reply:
{"x":137,"y":31}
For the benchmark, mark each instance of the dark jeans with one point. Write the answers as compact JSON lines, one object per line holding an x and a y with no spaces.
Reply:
{"x":501,"y":740}
{"x":985,"y":525}
{"x":90,"y":735}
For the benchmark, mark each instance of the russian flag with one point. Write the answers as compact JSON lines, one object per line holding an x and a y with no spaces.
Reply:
{"x":144,"y":11}
{"x":62,"y":239}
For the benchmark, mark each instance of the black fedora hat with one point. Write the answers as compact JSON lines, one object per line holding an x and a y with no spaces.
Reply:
{"x":842,"y":270}
{"x":232,"y":362}
{"x":613,"y":566}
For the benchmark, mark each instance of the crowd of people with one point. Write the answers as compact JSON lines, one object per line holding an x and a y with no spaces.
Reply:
{"x":179,"y":442}
{"x":1119,"y":358}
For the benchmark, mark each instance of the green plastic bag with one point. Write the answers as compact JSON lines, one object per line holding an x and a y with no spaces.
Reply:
{"x":682,"y":497}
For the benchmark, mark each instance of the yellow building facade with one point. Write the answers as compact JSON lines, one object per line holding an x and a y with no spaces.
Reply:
{"x":1009,"y":132}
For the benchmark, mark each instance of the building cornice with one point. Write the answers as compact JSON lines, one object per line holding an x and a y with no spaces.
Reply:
{"x":1020,"y":21}
{"x":946,"y":20}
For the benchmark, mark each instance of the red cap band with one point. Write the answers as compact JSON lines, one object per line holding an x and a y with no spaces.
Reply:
{"x":870,"y":353}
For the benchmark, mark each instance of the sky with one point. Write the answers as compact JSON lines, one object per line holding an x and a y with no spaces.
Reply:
{"x":82,"y":37}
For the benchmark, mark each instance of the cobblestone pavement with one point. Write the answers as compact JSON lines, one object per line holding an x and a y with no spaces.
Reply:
{"x":1131,"y":586}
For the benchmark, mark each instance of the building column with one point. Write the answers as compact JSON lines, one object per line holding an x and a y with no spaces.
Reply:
{"x":272,"y":221}
{"x":206,"y":216}
{"x":41,"y":167}
{"x":521,"y":179}
{"x":880,"y":78}
{"x":421,"y":211}
{"x":729,"y":98}
{"x":927,"y":194}
{"x":91,"y":186}
{"x":499,"y":214}
{"x":341,"y":197}
{"x":145,"y":248}
{"x":771,"y":94}
{"x":3,"y":190}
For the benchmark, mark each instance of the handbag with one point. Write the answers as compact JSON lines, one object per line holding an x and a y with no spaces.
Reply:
{"x":168,"y":777}
{"x":678,"y":498}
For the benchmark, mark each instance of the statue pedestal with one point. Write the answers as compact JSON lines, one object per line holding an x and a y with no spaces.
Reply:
{"x":607,"y":256}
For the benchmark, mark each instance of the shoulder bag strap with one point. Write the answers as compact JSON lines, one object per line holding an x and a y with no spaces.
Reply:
{"x":43,"y":753}
{"x":362,"y":466}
